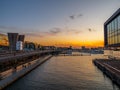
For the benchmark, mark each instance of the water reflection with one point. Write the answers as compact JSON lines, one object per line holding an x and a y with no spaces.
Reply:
{"x":65,"y":73}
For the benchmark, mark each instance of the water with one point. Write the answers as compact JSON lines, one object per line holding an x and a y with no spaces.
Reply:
{"x":65,"y":73}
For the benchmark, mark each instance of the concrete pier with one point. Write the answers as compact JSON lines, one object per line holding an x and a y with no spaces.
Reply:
{"x":16,"y":75}
{"x":109,"y":67}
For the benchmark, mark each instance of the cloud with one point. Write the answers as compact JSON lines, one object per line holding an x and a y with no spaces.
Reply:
{"x":91,"y":30}
{"x":34,"y":34}
{"x":52,"y":32}
{"x":55,"y":30}
{"x":75,"y":16}
{"x":2,"y":32}
{"x":37,"y":33}
{"x":27,"y":32}
{"x":80,"y":15}
{"x":74,"y":31}
{"x":30,"y":32}
{"x":7,"y":27}
{"x":72,"y":17}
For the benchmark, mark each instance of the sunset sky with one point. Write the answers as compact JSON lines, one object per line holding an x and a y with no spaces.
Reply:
{"x":57,"y":22}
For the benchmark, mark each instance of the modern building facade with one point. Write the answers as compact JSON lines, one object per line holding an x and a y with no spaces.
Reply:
{"x":21,"y":38}
{"x":31,"y":46}
{"x":13,"y":39}
{"x":3,"y":40}
{"x":112,"y":30}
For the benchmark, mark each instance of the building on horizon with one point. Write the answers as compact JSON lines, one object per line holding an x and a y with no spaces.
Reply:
{"x":3,"y":40}
{"x":112,"y":30}
{"x":31,"y":46}
{"x":21,"y":38}
{"x":13,"y":39}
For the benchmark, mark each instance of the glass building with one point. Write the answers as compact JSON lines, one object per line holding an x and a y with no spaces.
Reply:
{"x":3,"y":40}
{"x":112,"y":30}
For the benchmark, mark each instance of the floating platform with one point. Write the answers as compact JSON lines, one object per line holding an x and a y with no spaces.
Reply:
{"x":109,"y":67}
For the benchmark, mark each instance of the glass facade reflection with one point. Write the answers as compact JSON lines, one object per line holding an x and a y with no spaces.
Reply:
{"x":112,"y":30}
{"x":3,"y":40}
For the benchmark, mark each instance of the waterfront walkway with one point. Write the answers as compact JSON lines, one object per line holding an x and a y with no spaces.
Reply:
{"x":19,"y":55}
{"x":21,"y":71}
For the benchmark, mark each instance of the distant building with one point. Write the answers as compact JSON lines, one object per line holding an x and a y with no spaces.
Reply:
{"x":83,"y":48}
{"x":70,"y":47}
{"x":19,"y":45}
{"x":112,"y":30}
{"x":3,"y":40}
{"x":13,"y":39}
{"x":48,"y":47}
{"x":21,"y":38}
{"x":31,"y":46}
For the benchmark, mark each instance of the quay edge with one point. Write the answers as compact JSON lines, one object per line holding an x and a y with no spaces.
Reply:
{"x":115,"y":77}
{"x":10,"y":79}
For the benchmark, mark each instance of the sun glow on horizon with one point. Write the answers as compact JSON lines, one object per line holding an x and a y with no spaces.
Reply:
{"x":65,"y":42}
{"x":64,"y":38}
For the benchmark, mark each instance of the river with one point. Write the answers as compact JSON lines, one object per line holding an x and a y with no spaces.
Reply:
{"x":65,"y":73}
